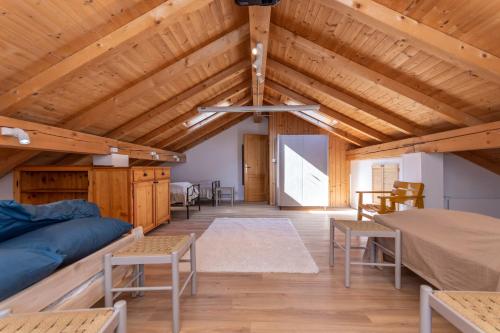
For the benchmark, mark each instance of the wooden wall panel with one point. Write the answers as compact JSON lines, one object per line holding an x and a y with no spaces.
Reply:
{"x":284,"y":123}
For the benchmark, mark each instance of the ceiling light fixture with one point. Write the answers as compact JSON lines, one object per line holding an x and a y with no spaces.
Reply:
{"x":258,"y":52}
{"x":265,"y":108}
{"x":21,"y":135}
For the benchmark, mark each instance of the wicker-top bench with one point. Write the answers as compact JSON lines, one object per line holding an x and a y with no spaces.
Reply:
{"x":104,"y":320}
{"x":153,"y":250}
{"x":469,"y":311}
{"x":364,"y":229}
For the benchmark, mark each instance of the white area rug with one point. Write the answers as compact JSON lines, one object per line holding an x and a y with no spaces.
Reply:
{"x":253,"y":245}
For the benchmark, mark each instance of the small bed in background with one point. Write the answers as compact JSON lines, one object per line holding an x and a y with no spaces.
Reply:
{"x":452,"y":250}
{"x":185,"y":194}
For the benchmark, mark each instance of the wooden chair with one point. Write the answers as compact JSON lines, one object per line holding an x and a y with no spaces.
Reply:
{"x":402,"y":193}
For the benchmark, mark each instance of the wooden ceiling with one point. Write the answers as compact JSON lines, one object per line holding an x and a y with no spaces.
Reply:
{"x":136,"y":70}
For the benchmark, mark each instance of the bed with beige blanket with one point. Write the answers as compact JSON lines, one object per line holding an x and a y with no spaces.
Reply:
{"x":452,"y":250}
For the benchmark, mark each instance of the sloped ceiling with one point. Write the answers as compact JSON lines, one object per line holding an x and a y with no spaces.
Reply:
{"x":136,"y":70}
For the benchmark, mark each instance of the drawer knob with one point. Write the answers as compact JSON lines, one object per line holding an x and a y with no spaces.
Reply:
{"x":145,"y":174}
{"x":163,"y":173}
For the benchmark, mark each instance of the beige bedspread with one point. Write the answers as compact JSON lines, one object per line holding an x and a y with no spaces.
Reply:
{"x":450,"y":249}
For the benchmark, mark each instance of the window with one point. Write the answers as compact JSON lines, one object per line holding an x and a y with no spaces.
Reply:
{"x":383,"y":178}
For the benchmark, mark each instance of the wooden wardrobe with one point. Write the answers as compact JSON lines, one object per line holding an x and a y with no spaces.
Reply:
{"x":138,"y":195}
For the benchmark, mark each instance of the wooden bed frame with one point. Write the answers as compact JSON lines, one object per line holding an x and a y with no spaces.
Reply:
{"x":79,"y":285}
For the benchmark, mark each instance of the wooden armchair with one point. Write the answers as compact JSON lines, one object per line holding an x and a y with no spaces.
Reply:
{"x":402,"y":193}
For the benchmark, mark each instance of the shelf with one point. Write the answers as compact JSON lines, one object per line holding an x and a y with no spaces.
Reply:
{"x":59,"y":190}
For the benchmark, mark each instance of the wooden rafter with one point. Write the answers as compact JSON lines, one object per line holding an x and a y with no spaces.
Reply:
{"x":484,"y":136}
{"x":422,"y":36}
{"x":219,"y":125}
{"x":107,"y":107}
{"x":259,"y":21}
{"x":184,"y":133}
{"x":397,"y":123}
{"x":444,"y":110}
{"x":225,"y":76}
{"x":356,"y":125}
{"x":50,"y":138}
{"x":164,"y":13}
{"x":335,"y":131}
{"x":229,"y":74}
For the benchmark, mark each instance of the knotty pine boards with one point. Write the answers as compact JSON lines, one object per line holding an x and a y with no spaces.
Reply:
{"x":339,"y":167}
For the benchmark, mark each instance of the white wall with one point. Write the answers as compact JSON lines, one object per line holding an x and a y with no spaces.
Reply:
{"x":6,"y":187}
{"x":470,"y":188}
{"x":361,"y":176}
{"x":428,"y":169}
{"x":219,"y":158}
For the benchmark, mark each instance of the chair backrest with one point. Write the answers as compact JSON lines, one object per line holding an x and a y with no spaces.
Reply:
{"x":408,"y":193}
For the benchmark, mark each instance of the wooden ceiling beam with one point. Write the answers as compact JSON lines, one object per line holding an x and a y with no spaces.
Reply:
{"x":335,"y":131}
{"x":220,"y":125}
{"x":259,"y":21}
{"x":184,"y":133}
{"x":444,"y":110}
{"x":431,"y":40}
{"x":227,"y":95}
{"x":108,"y":107}
{"x":49,"y":138}
{"x":484,"y":136}
{"x":162,"y":14}
{"x":355,"y":125}
{"x":228,"y":75}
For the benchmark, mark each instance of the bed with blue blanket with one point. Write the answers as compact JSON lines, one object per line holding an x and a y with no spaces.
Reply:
{"x":37,"y":241}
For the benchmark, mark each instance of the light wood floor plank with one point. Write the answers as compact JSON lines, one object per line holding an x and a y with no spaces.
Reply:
{"x":282,"y":303}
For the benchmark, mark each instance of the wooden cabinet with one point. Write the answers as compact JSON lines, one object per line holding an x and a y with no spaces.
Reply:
{"x":162,"y":200}
{"x":138,"y":195}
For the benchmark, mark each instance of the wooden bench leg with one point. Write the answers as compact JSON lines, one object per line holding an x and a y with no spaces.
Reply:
{"x":121,"y":307}
{"x":108,"y":281}
{"x":425,"y":310}
{"x":332,"y":242}
{"x":347,"y":268}
{"x":397,"y":261}
{"x":175,"y":294}
{"x":192,"y":255}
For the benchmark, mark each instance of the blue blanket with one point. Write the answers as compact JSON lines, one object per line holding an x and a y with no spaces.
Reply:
{"x":17,"y":219}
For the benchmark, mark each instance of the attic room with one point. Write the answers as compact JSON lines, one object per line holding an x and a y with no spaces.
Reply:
{"x":251,"y":166}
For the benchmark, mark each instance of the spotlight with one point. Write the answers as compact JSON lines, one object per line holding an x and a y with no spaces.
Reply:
{"x":21,"y":135}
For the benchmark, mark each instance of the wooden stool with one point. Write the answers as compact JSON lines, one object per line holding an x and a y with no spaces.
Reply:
{"x":469,"y":311}
{"x":224,"y":191}
{"x":153,"y":250}
{"x":105,"y":320}
{"x":364,"y":229}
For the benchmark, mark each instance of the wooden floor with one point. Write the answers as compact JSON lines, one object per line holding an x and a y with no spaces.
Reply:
{"x":264,"y":303}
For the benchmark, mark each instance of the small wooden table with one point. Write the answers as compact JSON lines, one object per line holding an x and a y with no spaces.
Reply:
{"x":153,"y":250}
{"x":364,"y":229}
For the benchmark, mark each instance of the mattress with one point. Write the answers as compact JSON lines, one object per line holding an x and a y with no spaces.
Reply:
{"x":179,"y":195}
{"x":450,"y":249}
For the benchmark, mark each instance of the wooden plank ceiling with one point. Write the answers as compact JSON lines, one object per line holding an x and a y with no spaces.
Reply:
{"x":135,"y":71}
